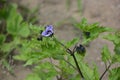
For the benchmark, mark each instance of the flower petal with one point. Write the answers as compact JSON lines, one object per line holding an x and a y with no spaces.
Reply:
{"x":48,"y":31}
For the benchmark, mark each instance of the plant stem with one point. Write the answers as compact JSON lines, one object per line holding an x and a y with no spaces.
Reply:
{"x":75,"y":60}
{"x":68,"y":50}
{"x":73,"y":55}
{"x":105,"y":71}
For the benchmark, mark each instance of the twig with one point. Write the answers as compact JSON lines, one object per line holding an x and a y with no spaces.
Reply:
{"x":68,"y":50}
{"x":105,"y":71}
{"x":77,"y":66}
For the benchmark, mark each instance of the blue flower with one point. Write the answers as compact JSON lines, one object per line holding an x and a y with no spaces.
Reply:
{"x":48,"y":31}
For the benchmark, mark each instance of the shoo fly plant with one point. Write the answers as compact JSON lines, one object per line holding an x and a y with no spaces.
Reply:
{"x":56,"y":60}
{"x":53,"y":59}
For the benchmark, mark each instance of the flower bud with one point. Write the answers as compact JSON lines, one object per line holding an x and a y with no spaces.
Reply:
{"x":87,"y":34}
{"x":80,"y":49}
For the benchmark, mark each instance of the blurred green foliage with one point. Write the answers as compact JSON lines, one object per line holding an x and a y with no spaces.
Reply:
{"x":13,"y":31}
{"x":79,"y":5}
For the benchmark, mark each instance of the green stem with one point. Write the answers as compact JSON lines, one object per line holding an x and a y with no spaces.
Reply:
{"x":75,"y":60}
{"x":72,"y":54}
{"x":105,"y":71}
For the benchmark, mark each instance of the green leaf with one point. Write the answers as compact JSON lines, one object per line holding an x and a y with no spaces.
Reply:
{"x":106,"y":55}
{"x":58,"y":57}
{"x":21,"y":57}
{"x":87,"y":71}
{"x":82,"y":24}
{"x":15,"y":26}
{"x":93,"y":29}
{"x":114,"y":74}
{"x":31,"y":61}
{"x":69,"y":72}
{"x":24,"y":30}
{"x":46,"y":71}
{"x":33,"y":76}
{"x":2,"y":39}
{"x":72,"y":42}
{"x":96,"y":73}
{"x":13,"y":22}
{"x":112,"y":37}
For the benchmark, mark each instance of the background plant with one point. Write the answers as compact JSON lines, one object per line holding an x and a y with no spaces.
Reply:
{"x":13,"y":30}
{"x":79,"y":5}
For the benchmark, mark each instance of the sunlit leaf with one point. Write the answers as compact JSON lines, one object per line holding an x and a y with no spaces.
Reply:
{"x":46,"y":71}
{"x":15,"y":26}
{"x":33,"y":76}
{"x":90,"y":31}
{"x":96,"y":73}
{"x":87,"y":71}
{"x":24,"y":30}
{"x":112,"y":37}
{"x":72,"y":42}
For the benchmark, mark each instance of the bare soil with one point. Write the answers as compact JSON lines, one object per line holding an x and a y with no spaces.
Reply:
{"x":107,"y":12}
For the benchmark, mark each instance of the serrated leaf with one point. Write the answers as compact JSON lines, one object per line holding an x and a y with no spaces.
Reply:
{"x":72,"y":42}
{"x":67,"y":70}
{"x":87,"y":71}
{"x":21,"y":57}
{"x":93,"y":29}
{"x":24,"y":30}
{"x":106,"y":55}
{"x":31,"y":61}
{"x":33,"y":76}
{"x":82,"y":24}
{"x":113,"y":38}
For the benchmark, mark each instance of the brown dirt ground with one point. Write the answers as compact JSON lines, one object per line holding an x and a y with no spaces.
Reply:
{"x":107,"y":12}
